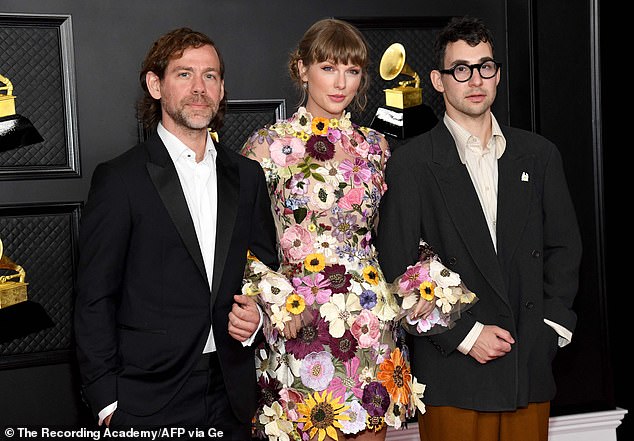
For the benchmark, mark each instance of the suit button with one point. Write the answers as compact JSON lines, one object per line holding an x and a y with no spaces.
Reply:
{"x":536,"y":253}
{"x":451,"y":261}
{"x":529,"y":305}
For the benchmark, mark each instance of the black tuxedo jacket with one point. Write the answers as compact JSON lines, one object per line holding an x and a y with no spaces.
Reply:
{"x":532,"y":277}
{"x":144,"y":307}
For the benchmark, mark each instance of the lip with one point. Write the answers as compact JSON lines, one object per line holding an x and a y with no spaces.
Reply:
{"x":476,"y":98}
{"x":198,"y":105}
{"x":337,"y":98}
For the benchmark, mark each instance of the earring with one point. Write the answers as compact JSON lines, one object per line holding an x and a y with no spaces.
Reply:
{"x":305,"y":85}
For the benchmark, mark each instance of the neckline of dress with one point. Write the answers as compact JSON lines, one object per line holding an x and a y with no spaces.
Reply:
{"x":345,"y":116}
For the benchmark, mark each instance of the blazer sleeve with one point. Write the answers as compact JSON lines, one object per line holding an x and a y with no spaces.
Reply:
{"x":399,"y":227}
{"x":103,"y":239}
{"x":562,"y":245}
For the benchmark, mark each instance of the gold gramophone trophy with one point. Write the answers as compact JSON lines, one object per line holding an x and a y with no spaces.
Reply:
{"x":15,"y":130}
{"x":12,"y":286}
{"x":405,"y":114}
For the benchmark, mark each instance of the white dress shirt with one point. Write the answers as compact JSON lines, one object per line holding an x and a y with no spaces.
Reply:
{"x":482,"y":164}
{"x":199,"y":184}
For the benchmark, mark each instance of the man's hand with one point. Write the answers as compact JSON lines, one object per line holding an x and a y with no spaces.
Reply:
{"x":243,"y":318}
{"x":493,"y":342}
{"x":107,"y":419}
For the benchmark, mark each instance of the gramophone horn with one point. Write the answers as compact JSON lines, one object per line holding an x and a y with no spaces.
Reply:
{"x":393,"y":64}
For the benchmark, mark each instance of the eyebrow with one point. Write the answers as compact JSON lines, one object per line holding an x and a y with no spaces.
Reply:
{"x":191,"y":69}
{"x":482,"y":60}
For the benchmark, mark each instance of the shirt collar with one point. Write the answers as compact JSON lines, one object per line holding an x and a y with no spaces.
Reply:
{"x":462,"y":137}
{"x":177,"y":149}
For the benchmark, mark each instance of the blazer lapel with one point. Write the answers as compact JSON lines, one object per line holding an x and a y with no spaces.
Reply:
{"x":228,"y":179}
{"x":165,"y":178}
{"x":464,"y":206}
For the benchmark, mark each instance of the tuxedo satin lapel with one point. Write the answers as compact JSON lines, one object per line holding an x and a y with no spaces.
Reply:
{"x":514,"y":193}
{"x":228,"y":195}
{"x":165,"y":179}
{"x":465,"y":209}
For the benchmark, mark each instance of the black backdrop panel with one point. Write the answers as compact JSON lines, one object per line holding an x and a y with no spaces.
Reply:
{"x":243,"y":117}
{"x":36,"y":55}
{"x":41,"y":239}
{"x":417,"y":35}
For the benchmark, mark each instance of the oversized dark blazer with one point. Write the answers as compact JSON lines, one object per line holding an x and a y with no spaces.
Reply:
{"x":144,"y":306}
{"x":532,"y":277}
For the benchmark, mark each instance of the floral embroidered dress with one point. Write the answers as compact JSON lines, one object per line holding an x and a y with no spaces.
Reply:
{"x":348,"y":367}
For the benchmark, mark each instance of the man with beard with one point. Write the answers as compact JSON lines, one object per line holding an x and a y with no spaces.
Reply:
{"x":161,"y":337}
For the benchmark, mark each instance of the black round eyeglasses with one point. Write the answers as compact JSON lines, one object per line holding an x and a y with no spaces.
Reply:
{"x":464,"y":72}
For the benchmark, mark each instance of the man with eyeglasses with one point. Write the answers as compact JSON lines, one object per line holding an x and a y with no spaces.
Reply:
{"x":493,"y":202}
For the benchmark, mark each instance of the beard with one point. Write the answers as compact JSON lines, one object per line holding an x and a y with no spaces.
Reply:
{"x":190,"y":118}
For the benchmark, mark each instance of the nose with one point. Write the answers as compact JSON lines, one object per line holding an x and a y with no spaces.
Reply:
{"x":198,"y":84}
{"x":475,"y":79}
{"x":340,"y":80}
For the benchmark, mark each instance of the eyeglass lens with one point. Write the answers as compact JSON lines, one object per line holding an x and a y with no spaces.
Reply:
{"x":463,"y":72}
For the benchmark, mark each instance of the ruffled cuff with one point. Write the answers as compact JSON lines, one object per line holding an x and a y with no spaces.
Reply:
{"x":432,"y":281}
{"x":274,"y":293}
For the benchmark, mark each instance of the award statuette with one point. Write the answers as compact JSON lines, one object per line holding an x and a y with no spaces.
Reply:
{"x":15,"y":130}
{"x":405,"y":114}
{"x":18,"y":315}
{"x":12,"y":285}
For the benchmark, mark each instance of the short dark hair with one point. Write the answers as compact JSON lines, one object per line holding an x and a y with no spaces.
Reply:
{"x":168,"y":47}
{"x":469,"y":29}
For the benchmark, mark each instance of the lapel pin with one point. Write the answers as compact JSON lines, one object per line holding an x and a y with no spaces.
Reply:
{"x":524,"y":177}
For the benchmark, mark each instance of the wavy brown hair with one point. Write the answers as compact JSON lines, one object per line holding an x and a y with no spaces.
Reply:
{"x":333,"y":40}
{"x":171,"y":46}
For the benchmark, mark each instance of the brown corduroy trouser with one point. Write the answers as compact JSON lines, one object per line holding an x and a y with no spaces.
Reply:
{"x":442,"y":423}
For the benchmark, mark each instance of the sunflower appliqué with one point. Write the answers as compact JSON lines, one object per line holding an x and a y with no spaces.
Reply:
{"x":321,"y":414}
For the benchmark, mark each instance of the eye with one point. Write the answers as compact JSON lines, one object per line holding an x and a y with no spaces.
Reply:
{"x":489,"y":66}
{"x":327,"y":68}
{"x":461,"y":68}
{"x":183,"y":74}
{"x":354,"y":71}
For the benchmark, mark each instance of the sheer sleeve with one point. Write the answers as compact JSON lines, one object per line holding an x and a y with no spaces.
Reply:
{"x":274,"y":293}
{"x":269,"y":288}
{"x":430,"y":279}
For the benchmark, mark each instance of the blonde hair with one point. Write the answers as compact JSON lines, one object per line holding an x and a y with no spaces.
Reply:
{"x":333,"y":40}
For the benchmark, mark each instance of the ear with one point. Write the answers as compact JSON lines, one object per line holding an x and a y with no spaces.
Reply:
{"x":222,"y":90}
{"x":436,"y":80}
{"x":153,"y":83}
{"x":302,"y":71}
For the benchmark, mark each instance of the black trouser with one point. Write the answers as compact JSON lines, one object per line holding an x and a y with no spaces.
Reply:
{"x":200,"y":407}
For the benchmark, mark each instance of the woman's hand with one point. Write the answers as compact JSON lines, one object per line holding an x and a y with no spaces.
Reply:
{"x":297,"y":322}
{"x":422,"y":309}
{"x":292,"y":327}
